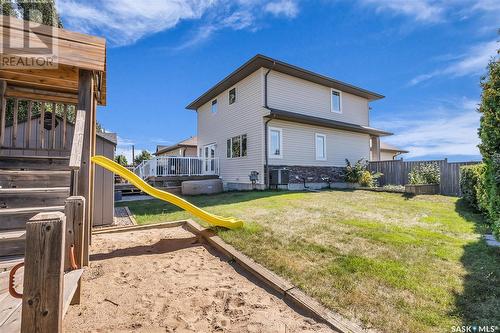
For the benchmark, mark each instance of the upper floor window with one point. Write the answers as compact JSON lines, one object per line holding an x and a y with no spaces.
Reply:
{"x":214,"y":106}
{"x":320,"y":147}
{"x":336,"y":102}
{"x":236,"y":146}
{"x":275,"y":142}
{"x":232,"y":96}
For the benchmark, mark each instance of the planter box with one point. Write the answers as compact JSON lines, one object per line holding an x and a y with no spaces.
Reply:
{"x":422,"y":189}
{"x":380,"y":189}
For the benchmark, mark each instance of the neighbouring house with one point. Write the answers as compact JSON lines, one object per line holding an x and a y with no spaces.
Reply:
{"x":390,"y":152}
{"x":185,"y":148}
{"x":286,"y":123}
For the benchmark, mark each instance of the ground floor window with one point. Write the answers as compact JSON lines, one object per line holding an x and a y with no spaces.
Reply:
{"x":320,"y":147}
{"x":275,"y":142}
{"x":236,"y":146}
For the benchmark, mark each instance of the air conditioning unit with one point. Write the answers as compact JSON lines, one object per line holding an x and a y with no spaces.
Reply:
{"x":279,"y":176}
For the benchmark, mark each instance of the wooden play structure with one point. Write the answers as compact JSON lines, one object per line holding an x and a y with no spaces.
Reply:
{"x":46,"y":174}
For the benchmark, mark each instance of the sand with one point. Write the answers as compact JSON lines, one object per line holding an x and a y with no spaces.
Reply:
{"x":163,"y":280}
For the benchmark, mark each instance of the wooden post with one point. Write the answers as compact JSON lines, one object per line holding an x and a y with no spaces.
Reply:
{"x":53,"y":127}
{"x":85,"y":102}
{"x":65,"y":126}
{"x":41,"y":128}
{"x":93,"y":148}
{"x":15,"y":114}
{"x":28,"y":124}
{"x":74,"y":211}
{"x":42,"y":307}
{"x":3,"y":111}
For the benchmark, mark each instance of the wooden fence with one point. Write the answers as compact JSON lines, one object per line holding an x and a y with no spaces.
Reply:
{"x":396,"y":173}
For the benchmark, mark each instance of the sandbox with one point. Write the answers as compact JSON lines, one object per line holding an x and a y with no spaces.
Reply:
{"x":167,"y":280}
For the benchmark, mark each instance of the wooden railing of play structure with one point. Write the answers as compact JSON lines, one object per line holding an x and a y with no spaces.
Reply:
{"x":55,"y":254}
{"x":34,"y":127}
{"x":51,"y":284}
{"x":75,"y":158}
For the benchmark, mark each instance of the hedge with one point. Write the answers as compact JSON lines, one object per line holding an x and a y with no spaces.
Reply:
{"x":472,"y":184}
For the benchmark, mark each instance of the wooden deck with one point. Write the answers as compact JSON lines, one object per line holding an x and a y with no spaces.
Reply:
{"x":10,"y":307}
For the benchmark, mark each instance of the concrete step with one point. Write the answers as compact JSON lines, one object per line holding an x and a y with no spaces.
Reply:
{"x":34,"y":178}
{"x":32,"y":197}
{"x":16,"y":218}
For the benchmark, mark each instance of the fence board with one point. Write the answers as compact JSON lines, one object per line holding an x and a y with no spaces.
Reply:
{"x":396,"y":173}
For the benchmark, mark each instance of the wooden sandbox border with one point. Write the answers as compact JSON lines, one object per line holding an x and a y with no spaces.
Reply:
{"x":284,"y":288}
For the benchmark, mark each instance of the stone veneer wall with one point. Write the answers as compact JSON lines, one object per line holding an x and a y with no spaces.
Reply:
{"x":313,"y":174}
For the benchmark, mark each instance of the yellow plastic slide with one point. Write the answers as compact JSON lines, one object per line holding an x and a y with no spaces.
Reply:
{"x":230,"y":223}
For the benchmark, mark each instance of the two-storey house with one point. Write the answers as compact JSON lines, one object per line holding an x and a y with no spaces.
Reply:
{"x":269,"y":115}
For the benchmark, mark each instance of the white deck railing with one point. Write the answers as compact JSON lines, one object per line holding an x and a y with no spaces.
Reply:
{"x":162,"y":166}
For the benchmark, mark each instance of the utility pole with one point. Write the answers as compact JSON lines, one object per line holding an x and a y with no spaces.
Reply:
{"x":133,"y":155}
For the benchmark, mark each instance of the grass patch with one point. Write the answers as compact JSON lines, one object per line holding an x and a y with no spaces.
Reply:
{"x":397,"y":264}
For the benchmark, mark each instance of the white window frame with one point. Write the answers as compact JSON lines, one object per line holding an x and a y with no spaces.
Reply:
{"x":235,"y":95}
{"x":280,"y":130}
{"x":212,"y":106}
{"x":241,"y":146}
{"x":340,"y":100}
{"x":318,"y":158}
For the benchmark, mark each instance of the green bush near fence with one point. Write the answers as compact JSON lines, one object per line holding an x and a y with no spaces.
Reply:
{"x":473,"y":186}
{"x":489,"y":133}
{"x":359,"y":174}
{"x":425,"y":174}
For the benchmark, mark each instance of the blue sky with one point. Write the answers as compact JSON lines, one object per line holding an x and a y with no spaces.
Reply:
{"x":425,"y":56}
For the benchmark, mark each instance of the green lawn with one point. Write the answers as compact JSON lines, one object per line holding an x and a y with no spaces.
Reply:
{"x":397,"y":264}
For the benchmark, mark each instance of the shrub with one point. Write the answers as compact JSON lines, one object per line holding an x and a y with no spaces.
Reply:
{"x":359,"y":174}
{"x":353,"y":173}
{"x":427,"y":173}
{"x":492,"y":193}
{"x":472,"y":184}
{"x":489,"y":133}
{"x":369,"y":179}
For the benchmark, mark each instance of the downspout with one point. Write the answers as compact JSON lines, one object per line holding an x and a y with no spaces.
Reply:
{"x":266,"y":148}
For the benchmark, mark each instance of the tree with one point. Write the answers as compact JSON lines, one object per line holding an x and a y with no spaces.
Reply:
{"x":121,"y":159}
{"x":99,"y":127}
{"x":143,"y":156}
{"x":7,"y":8}
{"x":40,"y":11}
{"x":489,"y":133}
{"x":43,"y":12}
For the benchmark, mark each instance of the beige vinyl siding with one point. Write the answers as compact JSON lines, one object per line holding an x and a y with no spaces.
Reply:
{"x":386,"y":155}
{"x":289,"y":93}
{"x":182,"y":152}
{"x":299,"y":145}
{"x":242,"y":117}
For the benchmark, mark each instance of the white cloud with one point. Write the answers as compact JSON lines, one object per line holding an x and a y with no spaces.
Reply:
{"x":288,"y":8}
{"x":420,"y":10}
{"x":447,"y":129}
{"x":473,"y":62}
{"x":124,"y":22}
{"x":437,"y":11}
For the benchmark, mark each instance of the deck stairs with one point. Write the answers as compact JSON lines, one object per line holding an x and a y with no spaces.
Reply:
{"x":28,"y":186}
